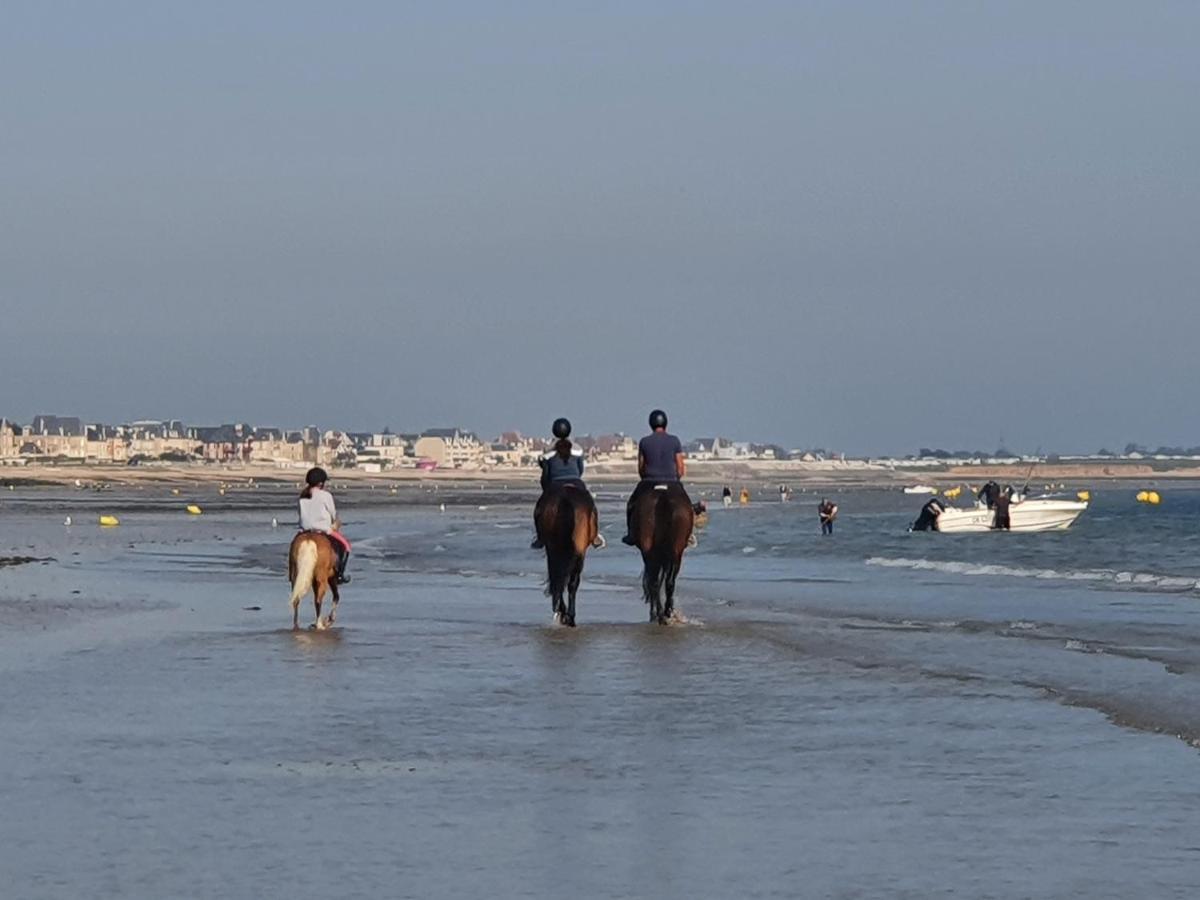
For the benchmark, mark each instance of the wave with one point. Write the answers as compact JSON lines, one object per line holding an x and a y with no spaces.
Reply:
{"x":1141,"y":580}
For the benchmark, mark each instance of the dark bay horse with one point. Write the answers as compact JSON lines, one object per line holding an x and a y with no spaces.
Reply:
{"x":566,"y":522}
{"x":312,"y":566}
{"x":663,"y":519}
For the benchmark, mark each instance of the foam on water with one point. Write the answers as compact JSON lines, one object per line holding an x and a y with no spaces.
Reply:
{"x":1141,"y":580}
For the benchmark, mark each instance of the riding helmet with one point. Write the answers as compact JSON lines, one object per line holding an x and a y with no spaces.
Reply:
{"x":316,"y":475}
{"x":658,"y":419}
{"x":561,"y":428}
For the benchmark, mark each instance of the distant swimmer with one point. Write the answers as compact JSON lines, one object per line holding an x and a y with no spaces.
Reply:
{"x":562,"y":467}
{"x":827,"y":512}
{"x":727,"y":496}
{"x":318,"y":513}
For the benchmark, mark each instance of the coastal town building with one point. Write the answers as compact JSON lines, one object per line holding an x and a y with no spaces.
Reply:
{"x":450,"y":448}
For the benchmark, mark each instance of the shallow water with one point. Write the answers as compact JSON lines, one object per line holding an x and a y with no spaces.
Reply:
{"x":828,"y":725}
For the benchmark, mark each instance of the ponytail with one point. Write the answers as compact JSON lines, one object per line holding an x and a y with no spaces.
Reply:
{"x":306,"y":494}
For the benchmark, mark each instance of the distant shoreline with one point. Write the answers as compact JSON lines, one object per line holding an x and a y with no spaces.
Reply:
{"x":835,"y":473}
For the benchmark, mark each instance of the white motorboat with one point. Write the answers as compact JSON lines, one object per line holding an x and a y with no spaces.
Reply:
{"x":1035,"y":514}
{"x":921,"y":489}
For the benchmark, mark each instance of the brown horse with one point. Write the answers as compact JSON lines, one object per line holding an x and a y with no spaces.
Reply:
{"x":566,"y":522}
{"x":312,"y":566}
{"x":663,"y":519}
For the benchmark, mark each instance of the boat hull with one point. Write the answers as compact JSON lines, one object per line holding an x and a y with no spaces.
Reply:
{"x":1027,"y":516}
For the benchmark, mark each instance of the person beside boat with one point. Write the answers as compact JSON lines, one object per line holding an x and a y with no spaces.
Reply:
{"x":826,"y":512}
{"x":928,"y":519}
{"x":1002,"y":521}
{"x":988,"y":494}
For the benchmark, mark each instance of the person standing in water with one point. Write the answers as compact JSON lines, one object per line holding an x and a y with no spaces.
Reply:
{"x":318,"y":513}
{"x":727,"y":496}
{"x":826,"y":512}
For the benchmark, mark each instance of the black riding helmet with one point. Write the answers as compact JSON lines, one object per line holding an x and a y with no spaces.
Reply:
{"x":561,"y":428}
{"x":316,"y":475}
{"x":658,"y":419}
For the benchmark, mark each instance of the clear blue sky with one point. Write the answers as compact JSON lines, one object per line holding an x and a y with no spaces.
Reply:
{"x":871,"y":226}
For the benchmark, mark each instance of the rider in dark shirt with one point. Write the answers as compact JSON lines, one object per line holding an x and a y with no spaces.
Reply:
{"x":660,"y":461}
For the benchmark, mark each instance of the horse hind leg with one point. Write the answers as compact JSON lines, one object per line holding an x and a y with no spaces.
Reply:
{"x":572,"y":589}
{"x":334,"y":605}
{"x":318,"y":596}
{"x":669,"y":589}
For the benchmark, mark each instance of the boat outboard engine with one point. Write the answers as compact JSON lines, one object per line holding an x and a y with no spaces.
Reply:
{"x":927,"y":520}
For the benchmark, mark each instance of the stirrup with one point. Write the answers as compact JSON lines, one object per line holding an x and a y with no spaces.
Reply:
{"x":628,"y":539}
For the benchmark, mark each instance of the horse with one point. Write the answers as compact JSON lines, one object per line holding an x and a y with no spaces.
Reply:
{"x":663,"y":519}
{"x":312,"y":566}
{"x":567,"y":524}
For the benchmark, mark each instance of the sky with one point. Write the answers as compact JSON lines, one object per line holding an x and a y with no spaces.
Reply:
{"x":863,"y":226}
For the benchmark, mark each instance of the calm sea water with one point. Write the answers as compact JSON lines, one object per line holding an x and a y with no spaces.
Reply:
{"x":872,"y":714}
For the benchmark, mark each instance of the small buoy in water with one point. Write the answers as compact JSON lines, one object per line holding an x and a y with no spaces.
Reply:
{"x":442,"y":507}
{"x":67,"y":521}
{"x":1153,"y":498}
{"x":274,"y":522}
{"x":109,"y":521}
{"x":194,"y":509}
{"x":1142,"y":497}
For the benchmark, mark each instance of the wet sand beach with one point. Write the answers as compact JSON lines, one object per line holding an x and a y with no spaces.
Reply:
{"x":815,"y":730}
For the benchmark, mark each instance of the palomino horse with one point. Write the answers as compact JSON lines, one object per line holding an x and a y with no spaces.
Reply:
{"x":662,"y":521}
{"x":566,"y":522}
{"x":312,"y":566}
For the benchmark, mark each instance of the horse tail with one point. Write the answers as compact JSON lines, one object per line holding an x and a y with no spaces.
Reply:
{"x":560,"y":542}
{"x":654,"y":573}
{"x":302,"y":569}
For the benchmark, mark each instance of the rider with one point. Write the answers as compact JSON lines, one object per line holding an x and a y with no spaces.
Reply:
{"x":318,"y":513}
{"x":562,"y":467}
{"x":660,"y":461}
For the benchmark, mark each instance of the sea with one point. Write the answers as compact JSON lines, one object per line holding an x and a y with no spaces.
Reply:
{"x":875,"y":713}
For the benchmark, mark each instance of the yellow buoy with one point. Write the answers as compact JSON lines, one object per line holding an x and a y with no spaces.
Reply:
{"x":194,"y":509}
{"x":1085,"y":496}
{"x":1153,"y":498}
{"x":1143,"y":497}
{"x":109,"y":521}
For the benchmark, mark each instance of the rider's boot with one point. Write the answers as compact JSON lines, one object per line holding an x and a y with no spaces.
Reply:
{"x":342,"y":577}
